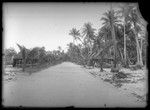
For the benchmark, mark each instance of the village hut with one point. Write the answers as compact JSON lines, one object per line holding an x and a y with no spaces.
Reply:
{"x":97,"y":58}
{"x":17,"y":60}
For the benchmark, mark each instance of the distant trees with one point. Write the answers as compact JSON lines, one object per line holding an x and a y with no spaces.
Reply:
{"x":9,"y":54}
{"x":33,"y":56}
{"x":74,"y":53}
{"x":37,"y":56}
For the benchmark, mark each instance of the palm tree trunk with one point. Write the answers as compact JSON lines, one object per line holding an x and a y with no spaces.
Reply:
{"x":115,"y":47}
{"x":125,"y":52}
{"x":23,"y":65}
{"x":137,"y":49}
{"x":140,"y":54}
{"x":114,"y":40}
{"x":23,"y":59}
{"x":129,"y":62}
{"x":120,"y":54}
{"x":101,"y":65}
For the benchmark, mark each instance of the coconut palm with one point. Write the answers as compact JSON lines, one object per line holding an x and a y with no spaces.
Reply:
{"x":75,"y":33}
{"x":105,"y":32}
{"x":23,"y":53}
{"x":88,"y":31}
{"x":135,"y":20}
{"x":100,"y":50}
{"x":111,"y":20}
{"x":124,"y":11}
{"x":89,"y":37}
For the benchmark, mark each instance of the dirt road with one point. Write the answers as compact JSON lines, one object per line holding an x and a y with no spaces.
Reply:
{"x":63,"y":85}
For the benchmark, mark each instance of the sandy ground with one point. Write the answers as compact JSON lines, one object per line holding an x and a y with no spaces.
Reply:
{"x":66,"y":84}
{"x":135,"y":84}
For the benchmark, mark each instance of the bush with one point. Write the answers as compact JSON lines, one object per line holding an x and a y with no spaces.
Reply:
{"x":120,"y":75}
{"x":136,"y":67}
{"x":107,"y":65}
{"x":114,"y":70}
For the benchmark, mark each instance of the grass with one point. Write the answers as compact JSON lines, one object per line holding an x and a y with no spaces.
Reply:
{"x":30,"y":69}
{"x":38,"y":68}
{"x":10,"y":72}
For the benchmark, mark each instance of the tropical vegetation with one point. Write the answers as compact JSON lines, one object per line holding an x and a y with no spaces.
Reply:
{"x":121,"y":40}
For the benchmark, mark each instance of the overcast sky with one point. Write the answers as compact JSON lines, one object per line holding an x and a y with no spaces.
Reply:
{"x":47,"y":24}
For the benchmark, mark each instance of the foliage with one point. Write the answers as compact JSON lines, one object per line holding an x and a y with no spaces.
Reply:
{"x":8,"y":55}
{"x":120,"y":37}
{"x":111,"y":37}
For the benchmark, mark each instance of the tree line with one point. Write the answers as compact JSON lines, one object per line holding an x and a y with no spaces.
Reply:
{"x":36,"y":56}
{"x":121,"y":40}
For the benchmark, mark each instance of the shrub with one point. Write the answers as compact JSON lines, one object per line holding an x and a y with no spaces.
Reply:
{"x":114,"y":70}
{"x":120,"y":75}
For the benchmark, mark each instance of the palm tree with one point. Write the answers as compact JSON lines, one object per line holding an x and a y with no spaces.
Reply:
{"x":136,"y":22}
{"x":89,"y":37}
{"x":100,"y":50}
{"x":111,"y":20}
{"x":75,"y":33}
{"x":23,"y":53}
{"x":105,"y":32}
{"x":124,"y":12}
{"x":88,"y":31}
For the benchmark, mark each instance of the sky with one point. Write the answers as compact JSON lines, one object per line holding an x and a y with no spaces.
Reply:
{"x":47,"y":24}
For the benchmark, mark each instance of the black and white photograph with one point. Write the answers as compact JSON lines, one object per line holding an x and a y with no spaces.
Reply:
{"x":81,"y":55}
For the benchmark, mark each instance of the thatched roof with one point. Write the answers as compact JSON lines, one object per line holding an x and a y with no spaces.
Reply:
{"x":96,"y":55}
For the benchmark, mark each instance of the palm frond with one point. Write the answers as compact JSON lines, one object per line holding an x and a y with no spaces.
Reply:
{"x":20,"y":47}
{"x":105,"y":19}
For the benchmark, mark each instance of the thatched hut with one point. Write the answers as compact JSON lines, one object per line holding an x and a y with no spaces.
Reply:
{"x":17,"y":60}
{"x":96,"y":58}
